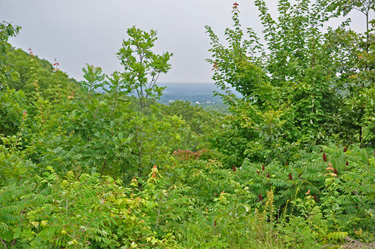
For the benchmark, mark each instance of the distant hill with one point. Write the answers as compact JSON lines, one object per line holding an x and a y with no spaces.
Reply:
{"x":196,"y":93}
{"x":24,"y":70}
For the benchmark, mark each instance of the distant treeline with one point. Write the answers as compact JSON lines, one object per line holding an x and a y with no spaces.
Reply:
{"x":202,"y":93}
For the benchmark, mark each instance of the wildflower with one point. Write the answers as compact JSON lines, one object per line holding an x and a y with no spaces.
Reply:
{"x":330,"y":168}
{"x":335,"y":171}
{"x":308,"y":192}
{"x":331,"y":174}
{"x":155,"y":169}
{"x":347,"y":163}
{"x":234,"y":168}
{"x":56,"y":63}
{"x":290,"y":176}
{"x":263,"y":167}
{"x":260,"y":197}
{"x":286,"y":163}
{"x":235,"y":4}
{"x":324,"y":157}
{"x":345,"y":149}
{"x":268,"y":175}
{"x":134,"y":182}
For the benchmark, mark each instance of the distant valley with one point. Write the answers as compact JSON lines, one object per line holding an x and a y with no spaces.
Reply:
{"x":196,"y":93}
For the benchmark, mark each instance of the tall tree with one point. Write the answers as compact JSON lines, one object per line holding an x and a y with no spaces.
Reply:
{"x":6,"y":30}
{"x":291,"y":85}
{"x":142,"y":68}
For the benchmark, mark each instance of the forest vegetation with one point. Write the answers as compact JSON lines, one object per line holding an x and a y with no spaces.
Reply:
{"x":291,"y":165}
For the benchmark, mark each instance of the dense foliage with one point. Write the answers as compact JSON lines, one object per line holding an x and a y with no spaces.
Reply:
{"x":101,"y":164}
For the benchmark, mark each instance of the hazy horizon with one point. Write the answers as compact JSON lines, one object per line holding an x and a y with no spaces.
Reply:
{"x":76,"y":33}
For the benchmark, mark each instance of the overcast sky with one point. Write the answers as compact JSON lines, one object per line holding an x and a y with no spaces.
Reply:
{"x":76,"y":32}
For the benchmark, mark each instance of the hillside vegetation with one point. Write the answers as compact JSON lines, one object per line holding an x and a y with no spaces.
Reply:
{"x":291,"y":165}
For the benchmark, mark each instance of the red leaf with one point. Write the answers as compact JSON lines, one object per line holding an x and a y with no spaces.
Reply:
{"x":324,"y":157}
{"x":214,"y":66}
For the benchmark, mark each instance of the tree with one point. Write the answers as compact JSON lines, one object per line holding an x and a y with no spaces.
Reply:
{"x":290,"y":87}
{"x":6,"y":30}
{"x":94,"y":79}
{"x":142,"y":67}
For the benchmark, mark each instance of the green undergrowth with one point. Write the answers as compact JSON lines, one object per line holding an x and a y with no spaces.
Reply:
{"x":198,"y":203}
